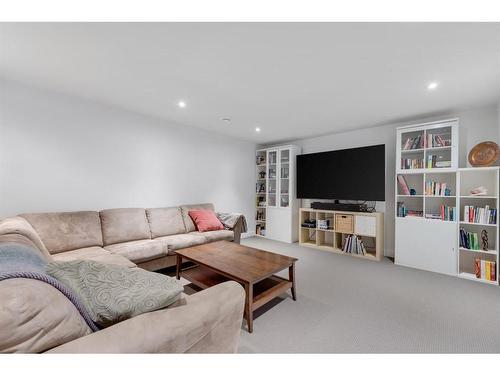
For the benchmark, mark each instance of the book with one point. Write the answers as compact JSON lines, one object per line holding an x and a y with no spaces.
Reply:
{"x":443,"y":164}
{"x":407,"y":144}
{"x":447,"y":213}
{"x":353,"y":245}
{"x":480,"y":215}
{"x":485,"y":269}
{"x":403,"y":185}
{"x":412,"y":163}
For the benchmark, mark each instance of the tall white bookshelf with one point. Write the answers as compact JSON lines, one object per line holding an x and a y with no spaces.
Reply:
{"x":277,"y":209}
{"x":468,"y":179}
{"x":430,"y":217}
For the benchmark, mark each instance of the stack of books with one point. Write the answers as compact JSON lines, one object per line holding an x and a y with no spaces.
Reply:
{"x":413,"y":143}
{"x":353,"y":245}
{"x":437,"y":141}
{"x":433,"y":216}
{"x":445,"y":213}
{"x":403,"y":211}
{"x":437,"y":188}
{"x":480,"y":215}
{"x":469,"y":240}
{"x":412,"y":163}
{"x":448,"y":213}
{"x":485,"y":269}
{"x":432,"y":162}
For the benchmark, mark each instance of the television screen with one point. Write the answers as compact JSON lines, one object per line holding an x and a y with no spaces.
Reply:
{"x":350,"y":174}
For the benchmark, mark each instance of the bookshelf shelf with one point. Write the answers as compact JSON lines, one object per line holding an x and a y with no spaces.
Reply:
{"x":478,"y":224}
{"x":439,"y":148}
{"x":417,"y":150}
{"x":441,"y":196}
{"x":478,"y":197}
{"x":489,"y":252}
{"x":471,"y":276}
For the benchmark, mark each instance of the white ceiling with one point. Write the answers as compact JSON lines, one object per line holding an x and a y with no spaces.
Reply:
{"x":293,"y":80}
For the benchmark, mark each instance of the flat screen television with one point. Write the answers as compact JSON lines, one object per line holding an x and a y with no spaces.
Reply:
{"x":350,"y":174}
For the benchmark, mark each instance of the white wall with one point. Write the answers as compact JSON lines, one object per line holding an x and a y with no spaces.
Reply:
{"x":475,"y":126}
{"x":498,"y":116}
{"x":62,"y":153}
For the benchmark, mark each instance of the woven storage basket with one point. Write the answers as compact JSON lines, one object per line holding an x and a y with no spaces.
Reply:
{"x":344,"y":223}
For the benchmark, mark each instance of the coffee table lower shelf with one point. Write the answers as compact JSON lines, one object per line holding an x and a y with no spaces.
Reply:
{"x":263,"y":291}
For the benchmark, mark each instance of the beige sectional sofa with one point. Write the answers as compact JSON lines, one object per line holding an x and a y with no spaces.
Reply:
{"x":208,"y":321}
{"x":128,"y":236}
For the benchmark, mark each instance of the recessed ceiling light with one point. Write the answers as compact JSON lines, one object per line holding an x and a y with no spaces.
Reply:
{"x":257,"y":130}
{"x":227,"y":120}
{"x":181,"y":104}
{"x":432,"y":86}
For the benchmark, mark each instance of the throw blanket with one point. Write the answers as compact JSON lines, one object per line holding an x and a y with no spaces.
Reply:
{"x":230,"y":220}
{"x":113,"y":293}
{"x":19,"y":261}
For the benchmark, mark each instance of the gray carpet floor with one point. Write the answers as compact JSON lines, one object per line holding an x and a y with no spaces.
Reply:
{"x":349,"y":305}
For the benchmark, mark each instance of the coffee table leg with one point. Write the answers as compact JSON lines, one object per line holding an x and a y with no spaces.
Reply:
{"x":291,"y":277}
{"x":248,"y":306}
{"x":178,"y":269}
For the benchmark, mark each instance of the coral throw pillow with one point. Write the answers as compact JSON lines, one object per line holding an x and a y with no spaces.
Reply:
{"x":205,"y":220}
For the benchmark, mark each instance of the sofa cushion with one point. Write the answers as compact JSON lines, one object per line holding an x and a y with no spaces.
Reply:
{"x":216,"y":235}
{"x":63,"y":231}
{"x":180,"y":241}
{"x":165,"y":221}
{"x":112,"y":293}
{"x":94,"y":253}
{"x":35,"y":317}
{"x":205,"y":220}
{"x":124,"y":224}
{"x":188,"y":222}
{"x":139,"y":251}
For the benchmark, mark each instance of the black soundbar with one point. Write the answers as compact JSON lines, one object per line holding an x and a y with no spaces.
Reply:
{"x":357,"y":207}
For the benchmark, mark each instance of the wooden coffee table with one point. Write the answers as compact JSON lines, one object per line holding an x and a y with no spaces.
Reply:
{"x":255,"y":269}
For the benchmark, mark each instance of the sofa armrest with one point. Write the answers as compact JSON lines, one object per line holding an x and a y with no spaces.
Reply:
{"x":238,"y":229}
{"x":209,"y":322}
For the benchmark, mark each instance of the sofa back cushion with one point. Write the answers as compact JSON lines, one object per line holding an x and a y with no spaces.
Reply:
{"x":165,"y":221}
{"x":188,"y":222}
{"x":35,"y":317}
{"x":63,"y":231}
{"x":124,"y":224}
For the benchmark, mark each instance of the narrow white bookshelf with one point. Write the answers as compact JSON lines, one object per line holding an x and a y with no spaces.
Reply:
{"x":487,"y":228}
{"x":276,"y":211}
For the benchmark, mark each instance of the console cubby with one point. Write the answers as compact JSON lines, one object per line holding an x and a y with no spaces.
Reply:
{"x":368,"y":226}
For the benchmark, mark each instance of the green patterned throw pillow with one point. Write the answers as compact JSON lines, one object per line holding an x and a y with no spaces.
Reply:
{"x":114,"y":293}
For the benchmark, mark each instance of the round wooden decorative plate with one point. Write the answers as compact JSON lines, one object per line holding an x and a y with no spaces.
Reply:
{"x":484,"y":154}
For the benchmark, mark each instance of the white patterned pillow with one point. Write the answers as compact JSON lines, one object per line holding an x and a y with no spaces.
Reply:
{"x":114,"y":293}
